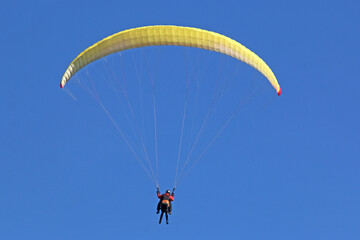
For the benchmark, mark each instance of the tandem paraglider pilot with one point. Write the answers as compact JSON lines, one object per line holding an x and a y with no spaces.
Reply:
{"x":165,"y":204}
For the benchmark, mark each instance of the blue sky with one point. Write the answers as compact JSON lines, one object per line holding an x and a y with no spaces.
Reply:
{"x":290,"y":172}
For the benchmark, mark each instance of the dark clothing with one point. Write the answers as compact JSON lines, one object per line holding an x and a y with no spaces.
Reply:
{"x":164,"y":209}
{"x":169,"y":206}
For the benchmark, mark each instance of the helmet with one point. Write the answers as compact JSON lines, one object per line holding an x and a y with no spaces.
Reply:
{"x":168,"y":191}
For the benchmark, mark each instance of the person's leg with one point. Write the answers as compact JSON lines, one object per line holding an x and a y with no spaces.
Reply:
{"x":161,"y":216}
{"x":158,"y":207}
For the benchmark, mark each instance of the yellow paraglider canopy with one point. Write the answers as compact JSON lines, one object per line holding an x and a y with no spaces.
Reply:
{"x":169,"y":35}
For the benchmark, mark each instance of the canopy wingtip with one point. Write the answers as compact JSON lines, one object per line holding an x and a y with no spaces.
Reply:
{"x":279,"y":92}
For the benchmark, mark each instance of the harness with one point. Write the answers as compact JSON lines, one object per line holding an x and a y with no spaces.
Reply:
{"x":165,"y":199}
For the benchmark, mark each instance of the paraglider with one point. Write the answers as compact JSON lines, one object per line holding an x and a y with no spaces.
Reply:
{"x":159,"y":36}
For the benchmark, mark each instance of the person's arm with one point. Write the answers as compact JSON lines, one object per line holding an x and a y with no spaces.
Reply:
{"x":158,"y":193}
{"x":171,"y":198}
